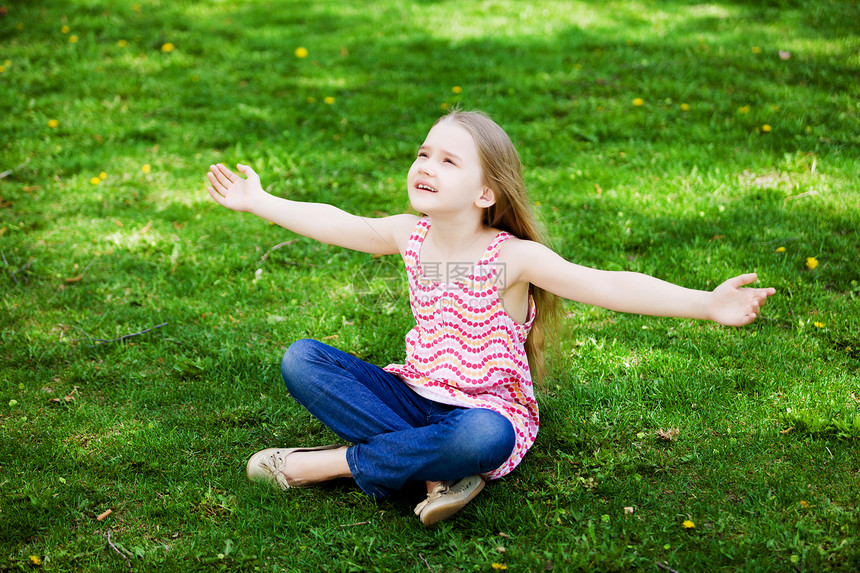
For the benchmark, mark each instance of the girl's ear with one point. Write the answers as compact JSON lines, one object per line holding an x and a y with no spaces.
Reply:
{"x":486,"y":199}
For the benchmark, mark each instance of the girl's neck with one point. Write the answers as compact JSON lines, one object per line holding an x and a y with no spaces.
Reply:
{"x":455,"y":238}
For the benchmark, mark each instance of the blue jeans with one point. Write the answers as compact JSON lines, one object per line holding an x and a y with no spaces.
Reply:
{"x":398,"y":435}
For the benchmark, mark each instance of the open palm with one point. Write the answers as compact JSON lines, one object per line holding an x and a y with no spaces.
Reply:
{"x":231,"y":190}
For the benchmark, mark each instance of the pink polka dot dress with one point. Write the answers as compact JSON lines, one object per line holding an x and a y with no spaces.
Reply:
{"x":465,"y":349}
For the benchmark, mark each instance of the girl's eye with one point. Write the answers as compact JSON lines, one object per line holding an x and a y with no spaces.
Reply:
{"x":449,"y":161}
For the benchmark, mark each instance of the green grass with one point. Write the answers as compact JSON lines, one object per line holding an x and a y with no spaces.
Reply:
{"x":157,"y":426}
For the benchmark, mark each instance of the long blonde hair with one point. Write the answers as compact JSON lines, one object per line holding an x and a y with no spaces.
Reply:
{"x":512,"y":212}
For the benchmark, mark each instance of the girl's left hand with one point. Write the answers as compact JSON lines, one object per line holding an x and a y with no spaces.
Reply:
{"x":732,"y":305}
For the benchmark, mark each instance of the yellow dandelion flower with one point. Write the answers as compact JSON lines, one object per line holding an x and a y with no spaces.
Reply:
{"x":95,"y":180}
{"x":146,"y":168}
{"x":65,"y":30}
{"x":756,"y":50}
{"x":312,"y":99}
{"x":811,"y":263}
{"x":688,"y":525}
{"x":804,"y":503}
{"x":122,"y":43}
{"x":744,"y":109}
{"x":301,"y":52}
{"x":780,"y":249}
{"x":167,"y":48}
{"x":499,"y":566}
{"x":444,"y":105}
{"x":35,"y":560}
{"x":102,"y":175}
{"x":816,"y":324}
{"x":685,"y":107}
{"x":7,"y":62}
{"x":457,"y":90}
{"x":766,"y":128}
{"x":2,"y":69}
{"x":73,"y":39}
{"x":638,"y":102}
{"x":329,"y":100}
{"x":53,"y":123}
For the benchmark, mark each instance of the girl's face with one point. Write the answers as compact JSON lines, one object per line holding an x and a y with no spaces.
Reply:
{"x":446,"y":177}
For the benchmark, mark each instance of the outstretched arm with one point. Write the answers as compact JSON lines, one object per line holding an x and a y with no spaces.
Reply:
{"x":319,"y":221}
{"x":728,"y":304}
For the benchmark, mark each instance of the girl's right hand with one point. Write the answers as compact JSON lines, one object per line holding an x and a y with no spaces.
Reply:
{"x":231,"y":190}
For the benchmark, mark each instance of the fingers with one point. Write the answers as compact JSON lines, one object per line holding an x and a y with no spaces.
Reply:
{"x":742,"y":280}
{"x":249,"y":173}
{"x":228,"y":175}
{"x":215,"y":195}
{"x":221,"y":177}
{"x":215,"y":184}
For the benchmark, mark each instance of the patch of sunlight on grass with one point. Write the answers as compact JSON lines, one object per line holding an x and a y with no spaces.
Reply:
{"x":194,"y":196}
{"x":138,"y":240}
{"x":317,"y":82}
{"x":509,"y":19}
{"x":711,"y":11}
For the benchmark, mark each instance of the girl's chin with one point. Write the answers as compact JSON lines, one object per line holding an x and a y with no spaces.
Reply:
{"x":420,"y":201}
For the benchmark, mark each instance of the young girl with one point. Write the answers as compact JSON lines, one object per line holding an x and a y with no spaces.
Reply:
{"x":482,"y":284}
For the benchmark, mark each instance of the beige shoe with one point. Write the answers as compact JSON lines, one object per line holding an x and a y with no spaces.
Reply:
{"x":444,"y":501}
{"x":269,"y":465}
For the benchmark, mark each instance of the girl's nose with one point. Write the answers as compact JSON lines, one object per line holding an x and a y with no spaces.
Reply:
{"x":427,"y":167}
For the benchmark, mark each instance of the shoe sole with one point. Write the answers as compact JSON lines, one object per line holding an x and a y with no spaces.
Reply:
{"x":440,"y":511}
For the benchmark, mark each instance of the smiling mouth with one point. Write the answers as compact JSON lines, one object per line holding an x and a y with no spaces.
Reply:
{"x":425,"y":187}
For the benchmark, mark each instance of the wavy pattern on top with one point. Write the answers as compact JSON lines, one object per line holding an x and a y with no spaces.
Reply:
{"x":465,"y":349}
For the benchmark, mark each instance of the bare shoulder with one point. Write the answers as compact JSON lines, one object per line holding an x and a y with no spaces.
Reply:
{"x":395,"y":228}
{"x":519,"y":256}
{"x":404,"y":223}
{"x":514,"y":249}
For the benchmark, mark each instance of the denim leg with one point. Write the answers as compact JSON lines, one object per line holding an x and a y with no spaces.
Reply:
{"x":355,"y":399}
{"x":456,"y":444}
{"x":398,"y":435}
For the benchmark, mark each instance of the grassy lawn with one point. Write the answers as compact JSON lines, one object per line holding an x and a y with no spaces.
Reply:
{"x":141,"y":325}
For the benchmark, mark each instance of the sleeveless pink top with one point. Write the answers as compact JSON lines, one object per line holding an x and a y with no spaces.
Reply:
{"x":465,"y":349}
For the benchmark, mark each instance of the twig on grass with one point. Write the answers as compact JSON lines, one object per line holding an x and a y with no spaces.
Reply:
{"x":22,"y":269}
{"x":355,"y":524}
{"x":115,"y":548}
{"x":793,"y":197}
{"x":276,"y":247}
{"x":9,"y":172}
{"x":666,"y":568}
{"x":425,"y":562}
{"x":80,"y":276}
{"x":100,"y":341}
